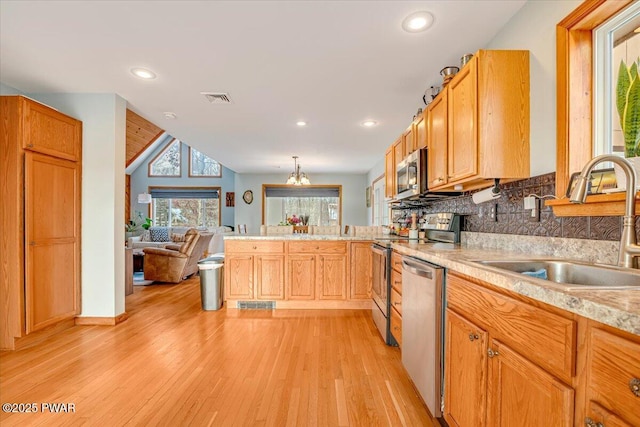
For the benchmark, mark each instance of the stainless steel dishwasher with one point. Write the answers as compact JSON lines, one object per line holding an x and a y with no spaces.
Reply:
{"x":422,"y":300}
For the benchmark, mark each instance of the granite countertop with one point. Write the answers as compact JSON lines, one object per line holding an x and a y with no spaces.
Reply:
{"x":303,"y":236}
{"x":619,"y":308}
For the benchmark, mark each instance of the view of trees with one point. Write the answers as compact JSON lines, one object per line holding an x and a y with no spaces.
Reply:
{"x":186,"y":212}
{"x":203,"y":165}
{"x":321,"y":210}
{"x":168,"y":162}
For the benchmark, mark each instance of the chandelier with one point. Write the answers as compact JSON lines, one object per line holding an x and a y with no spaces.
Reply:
{"x":296,"y":177}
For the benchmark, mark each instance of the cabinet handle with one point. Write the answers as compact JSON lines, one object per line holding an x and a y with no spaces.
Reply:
{"x":29,"y":145}
{"x":397,"y":303}
{"x":32,"y":243}
{"x":588,"y":422}
{"x":255,"y":247}
{"x":473,"y":336}
{"x":634,"y":386}
{"x":492,"y":353}
{"x":440,"y":179}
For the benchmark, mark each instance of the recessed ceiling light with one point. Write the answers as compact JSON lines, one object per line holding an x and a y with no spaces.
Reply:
{"x":301,"y":123}
{"x":170,"y":115}
{"x":143,"y":73}
{"x":369,"y":123}
{"x":417,"y":21}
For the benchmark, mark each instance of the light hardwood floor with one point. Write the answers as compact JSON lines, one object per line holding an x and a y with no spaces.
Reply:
{"x":173,"y":364}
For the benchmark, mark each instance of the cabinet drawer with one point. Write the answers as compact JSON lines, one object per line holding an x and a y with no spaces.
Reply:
{"x":252,"y":246}
{"x":396,"y":300}
{"x":396,"y":281}
{"x":614,"y":368}
{"x":396,"y":261}
{"x":396,"y":326}
{"x":547,"y":339}
{"x":317,"y":247}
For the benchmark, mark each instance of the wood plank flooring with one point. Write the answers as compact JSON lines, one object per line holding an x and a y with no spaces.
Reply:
{"x":172,"y":364}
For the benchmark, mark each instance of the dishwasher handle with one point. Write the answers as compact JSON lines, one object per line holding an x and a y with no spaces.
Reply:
{"x":417,"y":268}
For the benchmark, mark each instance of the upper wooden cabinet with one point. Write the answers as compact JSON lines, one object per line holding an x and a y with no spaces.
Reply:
{"x":49,"y":132}
{"x":40,"y":160}
{"x":389,"y":173}
{"x":420,"y":130}
{"x":409,"y":140}
{"x":485,"y":111}
{"x":399,"y":152}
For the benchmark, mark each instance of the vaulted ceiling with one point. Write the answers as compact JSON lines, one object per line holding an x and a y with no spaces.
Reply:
{"x":330,"y":63}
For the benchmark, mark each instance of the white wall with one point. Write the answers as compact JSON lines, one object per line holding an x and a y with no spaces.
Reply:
{"x":354,"y":211}
{"x":9,"y":90}
{"x":103,"y":119}
{"x":533,"y":28}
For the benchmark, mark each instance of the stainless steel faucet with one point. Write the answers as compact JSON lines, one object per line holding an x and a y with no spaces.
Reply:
{"x":629,"y":248}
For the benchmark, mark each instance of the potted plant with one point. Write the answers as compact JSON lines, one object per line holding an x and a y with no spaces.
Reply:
{"x":134,"y":226}
{"x":628,"y":105}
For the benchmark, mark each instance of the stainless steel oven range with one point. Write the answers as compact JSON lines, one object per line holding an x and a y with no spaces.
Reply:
{"x":380,"y":289}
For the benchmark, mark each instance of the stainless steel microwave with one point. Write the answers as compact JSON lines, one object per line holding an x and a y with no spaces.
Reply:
{"x":411,"y":175}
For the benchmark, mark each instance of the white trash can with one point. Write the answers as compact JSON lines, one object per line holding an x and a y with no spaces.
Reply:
{"x":211,"y":282}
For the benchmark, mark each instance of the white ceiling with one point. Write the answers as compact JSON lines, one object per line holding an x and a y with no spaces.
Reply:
{"x":330,"y":63}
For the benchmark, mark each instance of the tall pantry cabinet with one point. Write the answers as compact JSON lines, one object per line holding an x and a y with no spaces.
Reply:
{"x":40,"y":186}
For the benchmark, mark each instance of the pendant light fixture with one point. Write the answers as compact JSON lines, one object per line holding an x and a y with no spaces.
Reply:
{"x":296,"y":177}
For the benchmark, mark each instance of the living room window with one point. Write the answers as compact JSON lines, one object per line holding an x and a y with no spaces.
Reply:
{"x":201,"y":165}
{"x":167,"y":162}
{"x":185,"y":206}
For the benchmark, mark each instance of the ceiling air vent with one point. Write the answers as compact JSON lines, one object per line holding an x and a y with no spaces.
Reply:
{"x":217,"y":97}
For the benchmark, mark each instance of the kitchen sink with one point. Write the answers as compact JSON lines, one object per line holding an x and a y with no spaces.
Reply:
{"x":573,"y":273}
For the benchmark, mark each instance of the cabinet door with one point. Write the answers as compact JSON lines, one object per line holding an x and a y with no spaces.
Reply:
{"x":437,"y":131}
{"x":613,"y":368}
{"x":462,"y":158}
{"x":270,"y":277}
{"x":302,"y":277}
{"x":398,"y":150}
{"x":332,"y":280}
{"x":520,"y":393}
{"x":408,"y":138}
{"x":238,"y":276}
{"x":389,"y":174}
{"x":50,"y":132}
{"x":361,"y":270}
{"x":421,"y":131}
{"x":465,"y":372}
{"x":52,"y":233}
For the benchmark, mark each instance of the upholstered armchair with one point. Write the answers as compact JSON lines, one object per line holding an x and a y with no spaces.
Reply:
{"x":172,"y":266}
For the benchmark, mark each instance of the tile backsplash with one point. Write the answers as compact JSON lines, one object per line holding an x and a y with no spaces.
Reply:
{"x":512,"y":218}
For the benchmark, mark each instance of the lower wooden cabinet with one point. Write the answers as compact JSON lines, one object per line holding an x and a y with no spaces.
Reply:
{"x":503,"y":360}
{"x":517,"y":362}
{"x":613,"y":378}
{"x":299,"y":273}
{"x":465,"y":372}
{"x":396,"y":297}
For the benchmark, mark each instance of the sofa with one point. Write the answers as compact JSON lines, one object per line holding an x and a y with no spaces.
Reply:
{"x":174,"y":236}
{"x":172,"y":266}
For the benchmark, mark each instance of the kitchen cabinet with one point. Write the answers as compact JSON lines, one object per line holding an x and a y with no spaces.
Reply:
{"x":613,"y":378}
{"x":494,"y":348}
{"x":254,"y":270}
{"x":408,"y":138}
{"x":396,"y":297}
{"x":437,"y":131}
{"x":399,"y":153}
{"x":485,"y":111}
{"x":420,"y":129}
{"x":301,"y":277}
{"x":361,"y":269}
{"x":40,"y":215}
{"x":389,"y":173}
{"x":330,"y":261}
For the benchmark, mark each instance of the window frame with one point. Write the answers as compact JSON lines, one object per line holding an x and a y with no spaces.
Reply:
{"x":177,"y":187}
{"x":574,"y":105}
{"x":160,"y":154}
{"x":264,"y":196}
{"x":191,"y":175}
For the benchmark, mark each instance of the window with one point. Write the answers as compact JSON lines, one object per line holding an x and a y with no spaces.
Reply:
{"x":167,"y":162}
{"x":615,"y":42}
{"x":380,"y":207}
{"x":322,"y":203}
{"x":201,"y":165}
{"x":185,"y":206}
